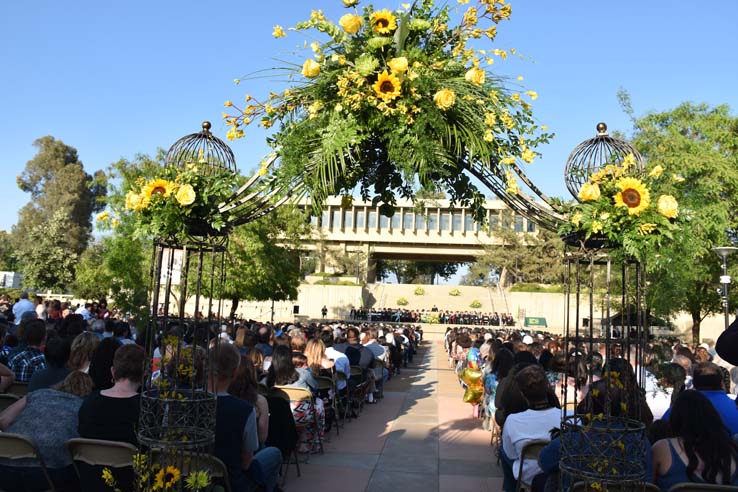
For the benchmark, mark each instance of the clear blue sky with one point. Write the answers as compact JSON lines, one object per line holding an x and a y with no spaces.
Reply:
{"x":114,"y":79}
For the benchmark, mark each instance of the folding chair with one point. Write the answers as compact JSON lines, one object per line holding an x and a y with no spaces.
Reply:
{"x":292,"y":454}
{"x":327,"y":384}
{"x":699,"y":487}
{"x":15,"y":447}
{"x":199,"y":462}
{"x":296,"y":394}
{"x":358,"y":393}
{"x":6,"y":399}
{"x":99,"y":453}
{"x":344,"y":401}
{"x":530,"y":451}
{"x":18,"y":388}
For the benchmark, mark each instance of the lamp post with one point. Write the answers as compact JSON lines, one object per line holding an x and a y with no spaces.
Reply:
{"x":723,"y":252}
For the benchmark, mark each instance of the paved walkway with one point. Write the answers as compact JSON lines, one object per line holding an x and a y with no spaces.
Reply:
{"x":422,"y":437}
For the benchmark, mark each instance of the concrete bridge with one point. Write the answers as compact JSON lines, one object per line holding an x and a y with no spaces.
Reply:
{"x":429,"y":230}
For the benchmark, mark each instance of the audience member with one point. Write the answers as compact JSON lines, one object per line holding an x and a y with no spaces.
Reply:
{"x":56,"y":354}
{"x":29,"y":358}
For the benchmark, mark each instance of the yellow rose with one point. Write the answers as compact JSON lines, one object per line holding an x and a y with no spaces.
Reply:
{"x":185,"y":195}
{"x":589,"y":192}
{"x":103,"y":216}
{"x":668,"y":206}
{"x":398,"y":65}
{"x":350,"y":3}
{"x":444,"y":99}
{"x":351,"y":23}
{"x":310,"y":69}
{"x":576,"y":219}
{"x":475,"y":76}
{"x":656,"y":171}
{"x":134,"y":201}
{"x":596,"y":226}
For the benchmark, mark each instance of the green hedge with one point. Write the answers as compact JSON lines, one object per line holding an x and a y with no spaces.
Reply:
{"x":529,"y":287}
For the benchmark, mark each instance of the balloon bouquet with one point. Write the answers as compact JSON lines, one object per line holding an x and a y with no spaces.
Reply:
{"x":471,"y":378}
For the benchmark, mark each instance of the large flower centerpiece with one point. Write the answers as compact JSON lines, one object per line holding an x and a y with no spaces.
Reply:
{"x":631,"y":210}
{"x":390,"y":101}
{"x":181,"y":202}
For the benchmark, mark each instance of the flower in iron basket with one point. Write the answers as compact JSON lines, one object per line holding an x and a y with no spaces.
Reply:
{"x":387,"y":86}
{"x":668,"y":206}
{"x":383,"y":21}
{"x":444,"y":99}
{"x":185,"y":195}
{"x":351,"y":23}
{"x":167,"y":478}
{"x":633,"y":195}
{"x":310,"y":69}
{"x":589,"y":192}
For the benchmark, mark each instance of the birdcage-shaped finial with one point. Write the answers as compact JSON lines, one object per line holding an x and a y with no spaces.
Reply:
{"x":203,"y":148}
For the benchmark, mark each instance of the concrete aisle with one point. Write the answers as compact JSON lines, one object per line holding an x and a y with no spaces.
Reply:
{"x":422,"y":437}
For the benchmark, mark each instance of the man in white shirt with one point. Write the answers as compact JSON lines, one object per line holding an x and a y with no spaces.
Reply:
{"x":523,"y":427}
{"x":340,"y":360}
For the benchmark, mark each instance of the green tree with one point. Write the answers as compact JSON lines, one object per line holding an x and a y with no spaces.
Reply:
{"x":699,"y":144}
{"x":57,"y":182}
{"x":48,"y":256}
{"x":8,"y":259}
{"x":417,"y":272}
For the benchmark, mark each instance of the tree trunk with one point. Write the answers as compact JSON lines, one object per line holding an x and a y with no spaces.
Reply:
{"x":696,"y":320}
{"x":234,"y":307}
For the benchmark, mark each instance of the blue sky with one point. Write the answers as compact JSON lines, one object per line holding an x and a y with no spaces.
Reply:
{"x":114,"y":79}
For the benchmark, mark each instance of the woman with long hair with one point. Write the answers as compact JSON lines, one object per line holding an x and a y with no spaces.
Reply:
{"x":702,"y":450}
{"x":245,"y":387}
{"x":319,"y":364}
{"x":83,"y":348}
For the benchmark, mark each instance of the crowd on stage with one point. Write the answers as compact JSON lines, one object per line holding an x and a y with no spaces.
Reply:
{"x":526,"y":381}
{"x":433,"y":315}
{"x":84,"y":373}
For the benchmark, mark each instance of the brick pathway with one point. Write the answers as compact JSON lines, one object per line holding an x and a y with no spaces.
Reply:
{"x":422,"y":437}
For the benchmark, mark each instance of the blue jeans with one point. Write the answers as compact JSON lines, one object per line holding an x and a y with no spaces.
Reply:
{"x":509,"y":484}
{"x":265,"y":467}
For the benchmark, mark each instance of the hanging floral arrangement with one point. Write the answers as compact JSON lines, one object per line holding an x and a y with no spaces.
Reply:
{"x":391,"y":101}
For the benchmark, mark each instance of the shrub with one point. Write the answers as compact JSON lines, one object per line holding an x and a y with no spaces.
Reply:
{"x":454,"y":292}
{"x":346,"y":282}
{"x":475,"y":304}
{"x":324,"y":282}
{"x":402,"y":302}
{"x":419,"y":291}
{"x":530,"y":287}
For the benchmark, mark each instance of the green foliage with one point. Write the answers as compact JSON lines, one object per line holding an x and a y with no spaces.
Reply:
{"x":386,"y":111}
{"x":323,"y":274}
{"x":530,"y":287}
{"x":475,"y":304}
{"x":700,"y":144}
{"x":8,"y":258}
{"x":454,"y":292}
{"x":63,"y":198}
{"x":413,"y":272}
{"x":12,"y":293}
{"x":402,"y":301}
{"x":48,"y":258}
{"x":419,"y":291}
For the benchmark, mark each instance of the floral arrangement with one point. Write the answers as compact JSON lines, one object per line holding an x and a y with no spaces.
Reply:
{"x":394,"y":100}
{"x":402,"y":301}
{"x":419,"y":291}
{"x":454,"y":292}
{"x":181,"y":201}
{"x":629,"y":209}
{"x":475,"y":304}
{"x":163,"y":478}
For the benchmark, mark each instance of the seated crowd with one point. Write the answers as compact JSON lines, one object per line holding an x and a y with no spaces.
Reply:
{"x":86,"y":375}
{"x":684,"y":402}
{"x":433,"y":315}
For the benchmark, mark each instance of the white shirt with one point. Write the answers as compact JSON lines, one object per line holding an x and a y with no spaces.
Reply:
{"x":342,"y":364}
{"x":521,"y":428}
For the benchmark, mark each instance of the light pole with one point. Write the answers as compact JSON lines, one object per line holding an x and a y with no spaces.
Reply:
{"x":723,"y":252}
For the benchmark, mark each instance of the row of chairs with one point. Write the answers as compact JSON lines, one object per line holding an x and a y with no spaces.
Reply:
{"x":98,"y":453}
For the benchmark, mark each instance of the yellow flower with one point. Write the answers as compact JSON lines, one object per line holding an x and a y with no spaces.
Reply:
{"x":444,"y":99}
{"x":633,"y":195}
{"x":103,"y":216}
{"x":107,"y":476}
{"x":676,"y":178}
{"x":383,"y":21}
{"x":668,"y":206}
{"x":595,"y":392}
{"x":629,"y":161}
{"x":623,"y":406}
{"x":263,"y":170}
{"x":185,"y":195}
{"x":387,"y":87}
{"x":278,"y":32}
{"x":589,"y":192}
{"x":167,"y":478}
{"x":351,"y":23}
{"x":198,"y":480}
{"x":604,"y":216}
{"x":576,"y":219}
{"x":310,"y":68}
{"x":528,"y":155}
{"x":350,"y":3}
{"x":656,"y":171}
{"x":475,"y":76}
{"x":160,"y":187}
{"x":533,"y":95}
{"x":228,"y":104}
{"x":646,"y":228}
{"x":596,"y":226}
{"x":398,"y":65}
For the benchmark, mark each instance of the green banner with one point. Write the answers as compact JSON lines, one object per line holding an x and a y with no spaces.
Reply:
{"x":531,"y":321}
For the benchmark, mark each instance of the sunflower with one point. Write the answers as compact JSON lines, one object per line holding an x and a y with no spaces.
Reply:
{"x":383,"y":21}
{"x":633,"y":195}
{"x":387,"y":86}
{"x":166,"y":478}
{"x":157,"y":187}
